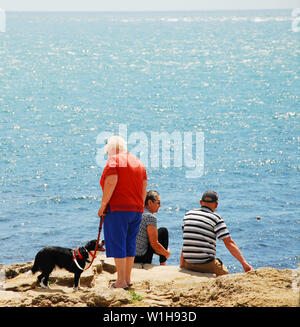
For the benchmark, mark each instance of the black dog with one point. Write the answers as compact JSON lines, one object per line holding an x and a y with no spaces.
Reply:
{"x":72,"y":260}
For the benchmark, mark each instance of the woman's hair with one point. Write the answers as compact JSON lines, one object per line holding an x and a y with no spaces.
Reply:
{"x":115,"y":144}
{"x":151,"y":195}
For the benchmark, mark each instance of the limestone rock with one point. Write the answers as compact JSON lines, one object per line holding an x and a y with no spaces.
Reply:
{"x":152,"y":285}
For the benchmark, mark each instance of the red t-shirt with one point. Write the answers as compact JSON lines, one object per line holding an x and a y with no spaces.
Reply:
{"x":128,"y":194}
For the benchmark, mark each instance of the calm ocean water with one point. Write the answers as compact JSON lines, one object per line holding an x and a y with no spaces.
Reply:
{"x":66,"y":77}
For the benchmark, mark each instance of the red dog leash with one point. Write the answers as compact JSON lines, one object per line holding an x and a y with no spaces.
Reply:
{"x":93,"y":255}
{"x":97,"y":243}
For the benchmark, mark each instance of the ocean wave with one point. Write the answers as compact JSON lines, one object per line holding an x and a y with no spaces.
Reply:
{"x":200,"y":19}
{"x":64,"y":200}
{"x":168,"y":17}
{"x":287,"y":115}
{"x":7,"y":237}
{"x":272,"y":19}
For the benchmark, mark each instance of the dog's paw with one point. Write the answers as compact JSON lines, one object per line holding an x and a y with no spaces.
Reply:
{"x":75,"y":289}
{"x":44,"y":285}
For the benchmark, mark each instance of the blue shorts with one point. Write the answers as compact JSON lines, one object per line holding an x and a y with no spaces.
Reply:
{"x":120,"y":231}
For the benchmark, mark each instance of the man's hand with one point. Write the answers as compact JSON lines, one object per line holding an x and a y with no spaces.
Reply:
{"x":247,"y":267}
{"x":181,"y":264}
{"x":168,"y":254}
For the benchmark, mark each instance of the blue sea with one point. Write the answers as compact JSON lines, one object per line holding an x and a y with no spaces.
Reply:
{"x":66,"y":77}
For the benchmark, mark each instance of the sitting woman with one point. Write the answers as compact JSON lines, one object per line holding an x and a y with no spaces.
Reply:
{"x":151,"y":240}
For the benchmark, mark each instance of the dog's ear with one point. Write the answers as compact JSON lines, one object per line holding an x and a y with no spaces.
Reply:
{"x":101,"y":246}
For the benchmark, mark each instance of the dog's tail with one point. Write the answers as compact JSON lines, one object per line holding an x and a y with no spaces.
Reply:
{"x":35,"y":268}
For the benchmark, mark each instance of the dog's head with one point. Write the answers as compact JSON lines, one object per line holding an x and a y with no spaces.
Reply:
{"x":90,"y":246}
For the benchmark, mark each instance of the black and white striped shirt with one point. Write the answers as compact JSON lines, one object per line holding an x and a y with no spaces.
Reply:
{"x":201,"y":227}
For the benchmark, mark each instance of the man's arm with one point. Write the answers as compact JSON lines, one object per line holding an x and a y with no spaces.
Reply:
{"x":235,"y":251}
{"x":153,"y":239}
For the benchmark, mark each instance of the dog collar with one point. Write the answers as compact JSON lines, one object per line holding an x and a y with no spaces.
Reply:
{"x":79,"y":256}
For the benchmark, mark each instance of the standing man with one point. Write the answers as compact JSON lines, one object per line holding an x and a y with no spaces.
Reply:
{"x":201,"y":227}
{"x":151,"y":240}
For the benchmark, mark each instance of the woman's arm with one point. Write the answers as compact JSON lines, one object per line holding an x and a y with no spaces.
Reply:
{"x":109,"y":187}
{"x":144,"y":189}
{"x":153,"y":239}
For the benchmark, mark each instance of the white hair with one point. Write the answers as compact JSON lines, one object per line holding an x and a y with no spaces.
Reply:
{"x":115,"y":144}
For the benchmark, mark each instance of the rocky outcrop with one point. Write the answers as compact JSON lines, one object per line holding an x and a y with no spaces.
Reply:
{"x":153,"y":286}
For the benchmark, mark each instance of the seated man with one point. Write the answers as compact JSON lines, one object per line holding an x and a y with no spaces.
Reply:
{"x":201,"y":227}
{"x":150,"y":239}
